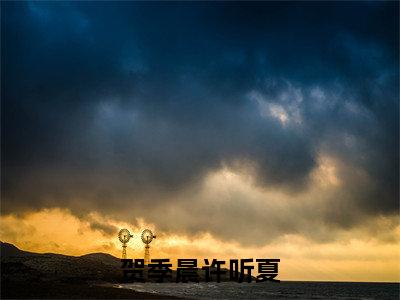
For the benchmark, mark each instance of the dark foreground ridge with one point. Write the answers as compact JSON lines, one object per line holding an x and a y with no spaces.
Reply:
{"x":31,"y":275}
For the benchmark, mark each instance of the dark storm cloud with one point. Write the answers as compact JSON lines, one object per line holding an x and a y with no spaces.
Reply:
{"x":104,"y":228}
{"x":110,"y":107}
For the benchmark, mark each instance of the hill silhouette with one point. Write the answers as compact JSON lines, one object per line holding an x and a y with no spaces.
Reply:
{"x":50,"y":266}
{"x":48,"y":275}
{"x":9,"y":250}
{"x":29,"y":275}
{"x":46,"y":266}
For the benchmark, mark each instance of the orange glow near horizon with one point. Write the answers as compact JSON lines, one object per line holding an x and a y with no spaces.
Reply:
{"x":58,"y":231}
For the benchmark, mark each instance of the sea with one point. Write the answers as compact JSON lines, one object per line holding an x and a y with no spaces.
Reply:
{"x":269,"y":290}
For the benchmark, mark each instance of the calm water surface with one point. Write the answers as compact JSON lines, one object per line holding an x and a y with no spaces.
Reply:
{"x":283,"y":290}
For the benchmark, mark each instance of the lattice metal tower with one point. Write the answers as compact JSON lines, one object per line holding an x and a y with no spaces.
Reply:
{"x":147,"y":237}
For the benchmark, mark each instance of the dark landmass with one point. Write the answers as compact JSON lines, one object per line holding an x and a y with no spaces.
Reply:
{"x":20,"y":265}
{"x":31,"y":275}
{"x":34,"y":275}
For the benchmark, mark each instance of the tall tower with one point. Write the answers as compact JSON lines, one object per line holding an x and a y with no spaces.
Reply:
{"x":124,"y":236}
{"x":147,"y":237}
{"x":146,"y":254}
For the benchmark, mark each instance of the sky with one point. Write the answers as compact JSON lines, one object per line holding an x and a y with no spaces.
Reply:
{"x":263,"y":129}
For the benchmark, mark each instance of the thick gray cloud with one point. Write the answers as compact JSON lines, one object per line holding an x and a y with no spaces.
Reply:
{"x":127,"y":110}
